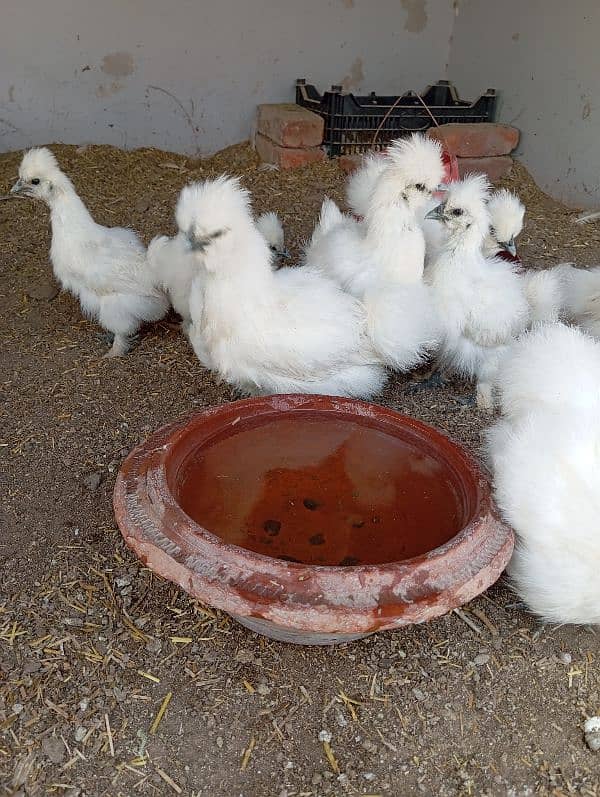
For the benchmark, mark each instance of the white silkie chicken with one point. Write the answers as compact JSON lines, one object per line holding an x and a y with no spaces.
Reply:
{"x":389,"y":244}
{"x":545,"y":456}
{"x":506,"y":211}
{"x":358,"y":193}
{"x":480,"y":302}
{"x":270,"y":226}
{"x":542,"y":287}
{"x":104,"y":267}
{"x":507,"y":214}
{"x":380,"y":260}
{"x":266,"y":331}
{"x":580,"y":296}
{"x":174,"y":266}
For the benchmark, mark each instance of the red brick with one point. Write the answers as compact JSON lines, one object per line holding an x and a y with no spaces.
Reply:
{"x":290,"y":125}
{"x":349,"y":163}
{"x":286,"y":157}
{"x":495,"y":168}
{"x":477,"y":140}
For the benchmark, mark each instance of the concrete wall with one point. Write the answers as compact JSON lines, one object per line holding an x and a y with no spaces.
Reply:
{"x":186,"y":75}
{"x":544,"y":56}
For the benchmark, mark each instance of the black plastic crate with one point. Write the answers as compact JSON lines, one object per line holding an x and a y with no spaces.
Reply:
{"x":351,"y":122}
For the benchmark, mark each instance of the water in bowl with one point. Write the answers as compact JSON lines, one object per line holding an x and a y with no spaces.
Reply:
{"x":322,"y":491}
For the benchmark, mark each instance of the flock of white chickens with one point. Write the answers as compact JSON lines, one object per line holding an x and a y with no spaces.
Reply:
{"x":406,"y":278}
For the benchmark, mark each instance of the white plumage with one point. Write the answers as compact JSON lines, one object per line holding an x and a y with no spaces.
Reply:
{"x":580,"y":294}
{"x":507,"y":213}
{"x":330,"y":218}
{"x":542,"y":288}
{"x":505,"y":208}
{"x":400,"y":317}
{"x":480,"y":302}
{"x":402,"y":324}
{"x":171,"y":265}
{"x":268,"y":331}
{"x":358,"y":194}
{"x":361,"y":183}
{"x":174,"y":266}
{"x":380,"y":260}
{"x":389,"y":244}
{"x":545,"y":455}
{"x":270,"y":226}
{"x":544,"y":292}
{"x":104,"y":267}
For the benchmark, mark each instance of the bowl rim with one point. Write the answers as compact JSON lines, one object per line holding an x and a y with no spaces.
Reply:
{"x":263,"y":407}
{"x":322,"y":599}
{"x":273,"y":405}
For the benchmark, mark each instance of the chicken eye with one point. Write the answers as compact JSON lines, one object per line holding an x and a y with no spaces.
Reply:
{"x":493,"y":231}
{"x":457,"y":212}
{"x":420,"y":187}
{"x":35,"y":181}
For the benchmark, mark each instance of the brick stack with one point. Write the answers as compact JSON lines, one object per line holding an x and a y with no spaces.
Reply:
{"x":288,"y":135}
{"x":484,"y":147}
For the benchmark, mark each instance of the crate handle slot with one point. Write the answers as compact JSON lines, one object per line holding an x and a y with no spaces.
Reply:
{"x":395,"y":105}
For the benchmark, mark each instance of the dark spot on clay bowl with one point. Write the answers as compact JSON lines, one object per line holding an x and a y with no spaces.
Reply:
{"x":400,"y":526}
{"x":272,"y":527}
{"x":349,"y":561}
{"x":311,"y":504}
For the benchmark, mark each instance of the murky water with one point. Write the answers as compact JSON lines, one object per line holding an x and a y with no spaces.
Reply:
{"x":322,"y":491}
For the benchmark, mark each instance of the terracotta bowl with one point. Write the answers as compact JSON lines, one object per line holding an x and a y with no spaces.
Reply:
{"x":312,"y":519}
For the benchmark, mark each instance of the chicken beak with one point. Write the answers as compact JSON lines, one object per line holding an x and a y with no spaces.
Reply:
{"x":510,"y":246}
{"x":283,"y":253}
{"x":196,"y":244}
{"x":17,"y":187}
{"x":436,"y":213}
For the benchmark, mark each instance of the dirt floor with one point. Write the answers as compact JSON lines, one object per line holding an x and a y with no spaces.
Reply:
{"x":114,"y":682}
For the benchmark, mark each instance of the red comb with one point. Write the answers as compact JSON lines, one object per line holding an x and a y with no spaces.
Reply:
{"x":450,"y":163}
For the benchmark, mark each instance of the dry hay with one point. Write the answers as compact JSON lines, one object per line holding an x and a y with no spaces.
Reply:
{"x":114,"y":682}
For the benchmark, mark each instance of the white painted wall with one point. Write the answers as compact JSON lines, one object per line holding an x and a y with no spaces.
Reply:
{"x":544,"y":56}
{"x":186,"y":75}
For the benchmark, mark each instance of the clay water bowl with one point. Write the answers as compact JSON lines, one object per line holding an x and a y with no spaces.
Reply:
{"x":312,"y":519}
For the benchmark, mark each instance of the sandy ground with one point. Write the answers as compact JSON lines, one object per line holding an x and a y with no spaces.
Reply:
{"x":93,"y":645}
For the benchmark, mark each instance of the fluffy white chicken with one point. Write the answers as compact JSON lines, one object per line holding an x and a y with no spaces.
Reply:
{"x":389,"y":244}
{"x":380,"y":260}
{"x":104,"y":267}
{"x":174,"y":266}
{"x":542,"y":288}
{"x":580,"y":294}
{"x":507,"y":213}
{"x":545,"y":456}
{"x":270,"y":226}
{"x":268,"y":331}
{"x":480,"y":301}
{"x":358,"y":193}
{"x":361,"y":182}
